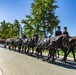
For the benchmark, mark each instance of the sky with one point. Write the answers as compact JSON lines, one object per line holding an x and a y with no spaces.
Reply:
{"x":17,"y":9}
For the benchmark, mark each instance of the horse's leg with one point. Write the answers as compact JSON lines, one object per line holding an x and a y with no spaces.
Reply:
{"x":73,"y":53}
{"x":4,"y":45}
{"x":25,"y":50}
{"x":53,"y":54}
{"x":41,"y":53}
{"x":19,"y":48}
{"x":58,"y":53}
{"x":37,"y":52}
{"x":9,"y":46}
{"x":32,"y":50}
{"x":66,"y":54}
{"x":15,"y":47}
{"x":50,"y":54}
{"x":28,"y":50}
{"x":22,"y":48}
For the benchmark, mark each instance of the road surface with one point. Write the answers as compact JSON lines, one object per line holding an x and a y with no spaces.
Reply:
{"x":14,"y":63}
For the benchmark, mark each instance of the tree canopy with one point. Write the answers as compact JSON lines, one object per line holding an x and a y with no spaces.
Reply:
{"x":9,"y":30}
{"x":41,"y":20}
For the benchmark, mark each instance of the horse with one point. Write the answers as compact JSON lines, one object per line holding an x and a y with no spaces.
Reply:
{"x":9,"y":43}
{"x":24,"y":44}
{"x":16,"y":43}
{"x":31,"y":44}
{"x":56,"y":43}
{"x":71,"y":48}
{"x":42,"y":44}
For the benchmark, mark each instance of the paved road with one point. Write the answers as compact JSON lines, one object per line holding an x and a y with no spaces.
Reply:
{"x":14,"y":63}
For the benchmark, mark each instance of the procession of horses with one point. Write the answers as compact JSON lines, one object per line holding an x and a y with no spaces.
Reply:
{"x":36,"y":46}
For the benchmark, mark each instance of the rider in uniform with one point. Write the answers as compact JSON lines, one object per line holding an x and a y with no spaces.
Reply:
{"x":37,"y":36}
{"x":67,"y":35}
{"x":71,"y":47}
{"x":65,"y":31}
{"x":58,"y":32}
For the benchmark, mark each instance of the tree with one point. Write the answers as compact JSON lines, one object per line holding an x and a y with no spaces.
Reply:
{"x":4,"y":30}
{"x":28,"y":28}
{"x":43,"y":16}
{"x":9,"y":30}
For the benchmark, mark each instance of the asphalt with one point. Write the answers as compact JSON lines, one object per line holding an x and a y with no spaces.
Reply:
{"x":14,"y":63}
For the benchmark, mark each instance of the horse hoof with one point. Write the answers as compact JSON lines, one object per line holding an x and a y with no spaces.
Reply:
{"x":63,"y":60}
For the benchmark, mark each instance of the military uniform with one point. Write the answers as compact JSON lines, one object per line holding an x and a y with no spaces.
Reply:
{"x":37,"y":36}
{"x":65,"y":32}
{"x":57,"y":33}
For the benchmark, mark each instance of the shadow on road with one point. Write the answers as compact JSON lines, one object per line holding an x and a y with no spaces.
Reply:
{"x":69,"y":64}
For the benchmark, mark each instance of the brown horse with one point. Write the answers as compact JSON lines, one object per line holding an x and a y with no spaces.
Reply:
{"x":41,"y":45}
{"x":71,"y":48}
{"x":31,"y":44}
{"x":57,"y":43}
{"x":24,"y":44}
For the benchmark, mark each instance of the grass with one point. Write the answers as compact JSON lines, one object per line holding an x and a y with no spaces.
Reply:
{"x":61,"y":53}
{"x":70,"y":55}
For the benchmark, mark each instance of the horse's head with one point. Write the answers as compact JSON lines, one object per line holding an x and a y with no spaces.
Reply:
{"x":72,"y":41}
{"x":60,"y":37}
{"x":61,"y":40}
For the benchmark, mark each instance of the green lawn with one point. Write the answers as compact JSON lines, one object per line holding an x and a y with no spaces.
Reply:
{"x":70,"y":55}
{"x":61,"y":53}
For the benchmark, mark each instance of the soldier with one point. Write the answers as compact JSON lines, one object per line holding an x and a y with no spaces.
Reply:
{"x":37,"y":37}
{"x":58,"y":32}
{"x":65,"y":31}
{"x":71,"y":45}
{"x":67,"y":36}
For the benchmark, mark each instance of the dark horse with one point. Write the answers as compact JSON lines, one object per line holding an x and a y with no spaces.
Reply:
{"x":31,"y":44}
{"x":42,"y":44}
{"x":71,"y":48}
{"x":56,"y":43}
{"x":24,"y":44}
{"x":9,"y":42}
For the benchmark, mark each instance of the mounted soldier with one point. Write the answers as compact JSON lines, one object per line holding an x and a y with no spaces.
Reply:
{"x":36,"y":36}
{"x":71,"y":48}
{"x":57,"y":33}
{"x":65,"y":32}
